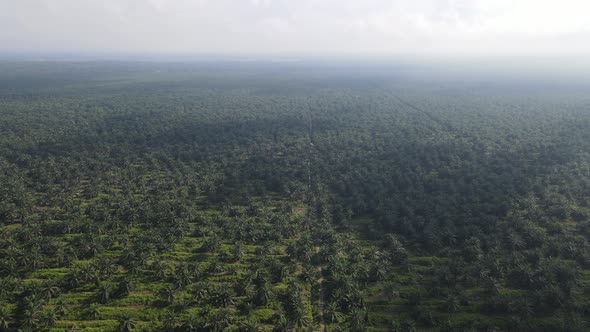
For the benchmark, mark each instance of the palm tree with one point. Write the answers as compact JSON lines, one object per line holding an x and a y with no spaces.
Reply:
{"x":285,"y":272}
{"x":88,"y":273}
{"x":35,"y":260}
{"x":182,"y":278}
{"x":394,"y":326}
{"x":358,"y":320}
{"x":72,"y":280}
{"x":391,"y":291}
{"x":126,"y":323}
{"x":93,"y":311}
{"x":212,"y":244}
{"x":492,"y":286}
{"x":26,"y":329}
{"x":33,"y":302}
{"x":250,"y":326}
{"x":282,"y":325}
{"x":452,"y":303}
{"x":182,"y":305}
{"x":104,"y":292}
{"x":160,"y":270}
{"x":264,"y":294}
{"x":200,"y":289}
{"x":408,"y":326}
{"x":124,"y":287}
{"x":332,"y":314}
{"x":222,"y":297}
{"x":193,"y":323}
{"x":220,"y":320}
{"x":30,"y":319}
{"x":238,"y":250}
{"x":525,"y":309}
{"x":49,"y":291}
{"x":106,"y":267}
{"x":5,"y":320}
{"x":379,"y":273}
{"x":395,"y":249}
{"x":216,"y":267}
{"x":8,"y":265}
{"x":50,"y":318}
{"x":168,"y":295}
{"x":362,"y":272}
{"x":60,"y":307}
{"x":170,"y":321}
{"x":299,"y":315}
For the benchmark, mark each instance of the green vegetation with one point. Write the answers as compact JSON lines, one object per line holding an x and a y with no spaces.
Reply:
{"x":251,"y":197}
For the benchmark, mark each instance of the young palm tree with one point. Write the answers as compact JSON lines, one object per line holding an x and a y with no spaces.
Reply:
{"x":126,"y":323}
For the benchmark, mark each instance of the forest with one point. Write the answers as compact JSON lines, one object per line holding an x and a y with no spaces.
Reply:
{"x":279,"y":196}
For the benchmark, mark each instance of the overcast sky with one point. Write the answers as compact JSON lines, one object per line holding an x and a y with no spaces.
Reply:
{"x":298,"y":27}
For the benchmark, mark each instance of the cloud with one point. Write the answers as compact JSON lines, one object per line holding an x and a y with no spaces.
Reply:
{"x":296,"y":27}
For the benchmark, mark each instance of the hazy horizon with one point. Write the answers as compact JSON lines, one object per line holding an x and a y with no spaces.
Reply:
{"x":328,"y":28}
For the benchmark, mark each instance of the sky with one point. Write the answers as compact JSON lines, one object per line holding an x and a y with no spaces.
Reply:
{"x":297,"y":27}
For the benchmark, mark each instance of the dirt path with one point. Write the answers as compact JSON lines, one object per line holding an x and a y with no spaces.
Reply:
{"x":321,"y":301}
